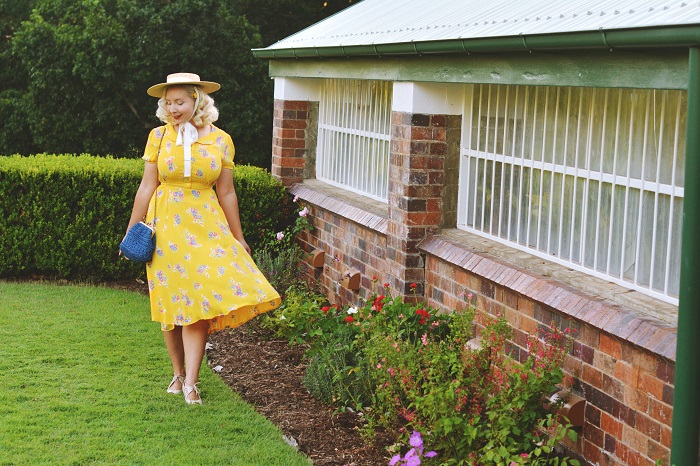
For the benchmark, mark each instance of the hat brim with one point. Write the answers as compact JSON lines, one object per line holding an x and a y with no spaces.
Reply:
{"x":159,"y":89}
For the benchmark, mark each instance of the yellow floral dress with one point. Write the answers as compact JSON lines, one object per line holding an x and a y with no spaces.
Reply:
{"x":199,"y":270}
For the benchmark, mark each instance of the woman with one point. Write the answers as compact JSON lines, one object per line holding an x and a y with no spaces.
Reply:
{"x":202,"y":277}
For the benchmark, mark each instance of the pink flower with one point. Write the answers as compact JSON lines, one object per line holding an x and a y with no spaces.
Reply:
{"x":304,"y":212}
{"x":296,"y":198}
{"x":280,"y":235}
{"x":424,"y":339}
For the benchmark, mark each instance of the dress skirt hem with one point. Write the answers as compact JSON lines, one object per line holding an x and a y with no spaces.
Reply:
{"x":233,"y":319}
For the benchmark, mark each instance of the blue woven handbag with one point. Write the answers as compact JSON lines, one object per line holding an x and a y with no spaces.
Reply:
{"x":139,"y":243}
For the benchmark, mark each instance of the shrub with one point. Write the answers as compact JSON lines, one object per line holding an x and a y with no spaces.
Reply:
{"x":63,"y":216}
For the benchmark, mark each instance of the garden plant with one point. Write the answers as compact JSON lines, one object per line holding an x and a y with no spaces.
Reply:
{"x":422,"y":373}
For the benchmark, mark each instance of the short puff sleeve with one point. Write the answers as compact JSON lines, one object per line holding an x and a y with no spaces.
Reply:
{"x":229,"y":151}
{"x":150,"y":154}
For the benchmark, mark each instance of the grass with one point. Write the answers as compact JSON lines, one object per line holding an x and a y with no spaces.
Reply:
{"x":83,"y":373}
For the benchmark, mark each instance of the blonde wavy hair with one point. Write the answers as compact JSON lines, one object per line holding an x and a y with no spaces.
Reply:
{"x":205,"y":114}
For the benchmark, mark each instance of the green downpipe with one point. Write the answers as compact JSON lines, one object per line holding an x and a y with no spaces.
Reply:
{"x":686,"y":399}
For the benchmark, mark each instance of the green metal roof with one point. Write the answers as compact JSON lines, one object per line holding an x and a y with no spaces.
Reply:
{"x":383,"y":27}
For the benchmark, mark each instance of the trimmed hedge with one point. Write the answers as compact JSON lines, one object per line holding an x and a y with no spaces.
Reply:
{"x":63,"y":216}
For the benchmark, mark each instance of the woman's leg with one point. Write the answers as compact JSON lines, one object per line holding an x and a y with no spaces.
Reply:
{"x":176,"y":351}
{"x":194,"y":339}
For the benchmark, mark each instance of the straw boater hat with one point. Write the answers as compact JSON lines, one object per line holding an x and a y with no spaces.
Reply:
{"x":183,"y":78}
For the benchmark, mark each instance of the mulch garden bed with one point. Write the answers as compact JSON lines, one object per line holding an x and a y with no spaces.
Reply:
{"x":268,"y":373}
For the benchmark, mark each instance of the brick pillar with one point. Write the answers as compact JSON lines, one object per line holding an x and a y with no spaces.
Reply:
{"x":289,"y":140}
{"x":419,"y":147}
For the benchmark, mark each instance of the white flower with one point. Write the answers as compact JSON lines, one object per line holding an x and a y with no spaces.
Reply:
{"x":352,"y":310}
{"x":304,"y":212}
{"x":280,"y":235}
{"x":282,"y":317}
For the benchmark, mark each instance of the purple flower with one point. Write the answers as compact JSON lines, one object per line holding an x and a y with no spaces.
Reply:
{"x":413,"y":461}
{"x":416,"y":440}
{"x":394,"y":459}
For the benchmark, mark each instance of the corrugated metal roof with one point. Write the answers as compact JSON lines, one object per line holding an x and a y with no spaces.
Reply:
{"x":373,"y":22}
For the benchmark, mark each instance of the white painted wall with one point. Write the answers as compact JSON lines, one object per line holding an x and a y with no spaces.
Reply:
{"x":298,"y":89}
{"x":429,"y":98}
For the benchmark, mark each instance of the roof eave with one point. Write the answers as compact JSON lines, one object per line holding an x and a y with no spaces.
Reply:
{"x":666,"y":36}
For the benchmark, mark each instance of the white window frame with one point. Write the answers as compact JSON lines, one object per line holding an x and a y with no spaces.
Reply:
{"x":354,"y":136}
{"x":574,"y":183}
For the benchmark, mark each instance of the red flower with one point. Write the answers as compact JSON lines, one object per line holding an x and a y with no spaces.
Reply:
{"x":325,"y":309}
{"x":386,"y":285}
{"x":349,"y":319}
{"x":412,"y":286}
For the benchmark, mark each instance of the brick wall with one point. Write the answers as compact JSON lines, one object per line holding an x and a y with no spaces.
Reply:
{"x":623,"y":359}
{"x":292,"y":139}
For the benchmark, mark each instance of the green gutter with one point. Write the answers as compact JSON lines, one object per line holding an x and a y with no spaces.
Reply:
{"x":672,"y":36}
{"x":686,"y":401}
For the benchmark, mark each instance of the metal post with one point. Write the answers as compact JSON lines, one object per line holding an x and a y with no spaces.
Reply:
{"x":686,"y":400}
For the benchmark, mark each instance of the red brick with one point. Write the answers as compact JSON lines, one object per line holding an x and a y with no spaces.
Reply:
{"x":291,"y":143}
{"x":292,"y":162}
{"x":627,"y":455}
{"x":610,"y":346}
{"x":591,"y":452}
{"x":295,"y":104}
{"x":627,"y":374}
{"x":636,"y":440}
{"x":592,"y":376}
{"x":666,"y":436}
{"x":636,"y":399}
{"x":660,"y":411}
{"x":651,"y":384}
{"x":648,"y":427}
{"x":659,"y":452}
{"x":611,"y":425}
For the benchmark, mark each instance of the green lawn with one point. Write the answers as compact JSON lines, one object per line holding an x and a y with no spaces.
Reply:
{"x":83,"y":373}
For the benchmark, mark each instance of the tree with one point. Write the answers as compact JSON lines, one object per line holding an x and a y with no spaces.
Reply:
{"x":89,"y":63}
{"x":74,"y":73}
{"x":14,"y":127}
{"x":278,"y":19}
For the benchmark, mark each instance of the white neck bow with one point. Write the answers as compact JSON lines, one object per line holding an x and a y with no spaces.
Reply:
{"x":187,"y":135}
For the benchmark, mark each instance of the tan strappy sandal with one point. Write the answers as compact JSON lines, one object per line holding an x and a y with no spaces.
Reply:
{"x":177,"y":378}
{"x":187,"y":390}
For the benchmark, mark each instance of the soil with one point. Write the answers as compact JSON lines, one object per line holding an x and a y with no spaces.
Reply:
{"x":267,"y":373}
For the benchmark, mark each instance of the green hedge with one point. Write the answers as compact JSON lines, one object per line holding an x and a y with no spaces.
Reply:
{"x":63,"y":216}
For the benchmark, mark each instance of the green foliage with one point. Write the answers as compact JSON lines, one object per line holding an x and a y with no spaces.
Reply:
{"x":299,"y":318}
{"x":63,"y":216}
{"x":279,"y":258}
{"x":87,"y":64}
{"x":419,"y":369}
{"x":262,"y":202}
